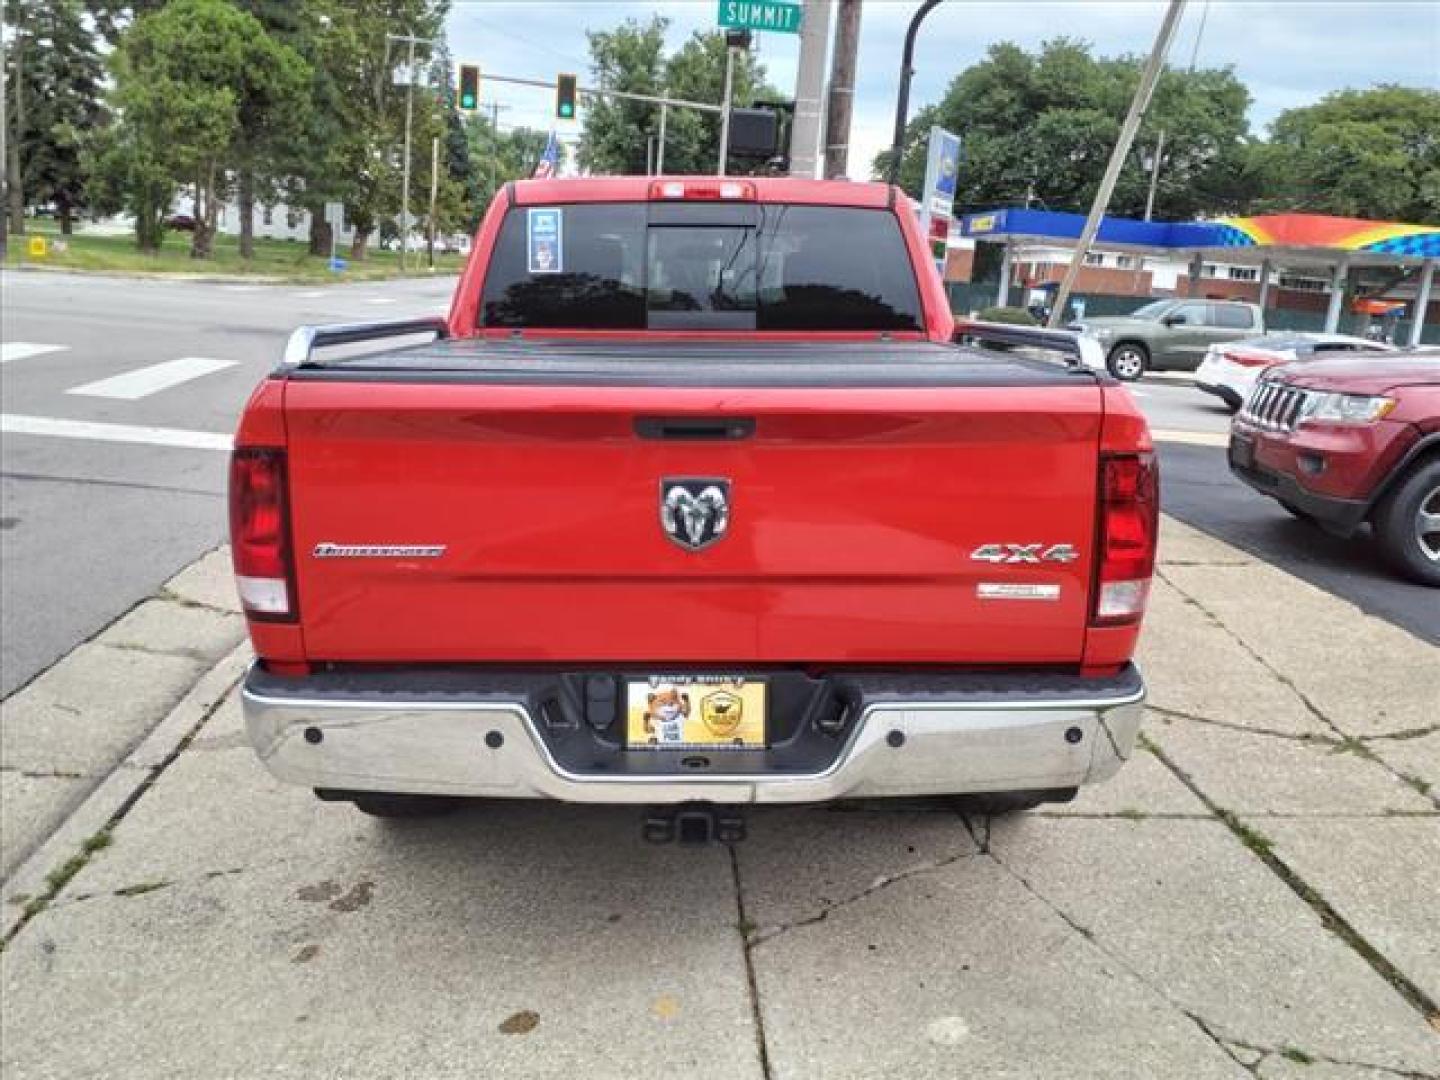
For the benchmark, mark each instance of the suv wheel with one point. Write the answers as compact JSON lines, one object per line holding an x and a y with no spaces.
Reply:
{"x":1407,"y":524}
{"x":1128,"y":361}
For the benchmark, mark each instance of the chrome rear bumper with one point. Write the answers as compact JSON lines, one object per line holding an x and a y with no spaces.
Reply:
{"x":493,"y":748}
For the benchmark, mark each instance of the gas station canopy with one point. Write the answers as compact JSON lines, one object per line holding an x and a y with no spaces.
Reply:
{"x":1293,"y":239}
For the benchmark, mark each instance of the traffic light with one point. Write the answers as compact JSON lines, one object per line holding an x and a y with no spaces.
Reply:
{"x":468,"y":100}
{"x":565,"y":97}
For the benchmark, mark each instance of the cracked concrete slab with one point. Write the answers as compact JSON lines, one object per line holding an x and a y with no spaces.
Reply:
{"x":1382,"y":877}
{"x":86,"y":711}
{"x":209,"y":581}
{"x":165,"y":626}
{"x":1201,"y":920}
{"x":954,"y":972}
{"x":840,"y":854}
{"x":32,"y":806}
{"x":1142,"y":788}
{"x":1192,"y":666}
{"x":1371,"y":676}
{"x":1185,"y":546}
{"x":492,"y":943}
{"x":1418,"y":759}
{"x":1262,"y":774}
{"x":1302,"y":1067}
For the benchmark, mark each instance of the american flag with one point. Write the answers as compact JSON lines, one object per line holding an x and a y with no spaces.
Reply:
{"x":549,"y":160}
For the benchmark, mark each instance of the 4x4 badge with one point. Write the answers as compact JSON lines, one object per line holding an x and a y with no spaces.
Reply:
{"x":694,"y":512}
{"x":1025,"y":553}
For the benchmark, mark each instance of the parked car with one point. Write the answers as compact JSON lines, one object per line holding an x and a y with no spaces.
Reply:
{"x":646,"y":525}
{"x":1170,"y":334}
{"x":1230,"y":371}
{"x":180,"y":223}
{"x":1351,"y":440}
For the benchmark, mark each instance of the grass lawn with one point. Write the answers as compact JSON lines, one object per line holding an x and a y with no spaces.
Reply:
{"x":288,"y":260}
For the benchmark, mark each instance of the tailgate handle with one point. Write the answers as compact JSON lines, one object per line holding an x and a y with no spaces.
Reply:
{"x":694,"y":428}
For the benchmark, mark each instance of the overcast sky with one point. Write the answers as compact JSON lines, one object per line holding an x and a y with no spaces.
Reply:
{"x":1288,"y":52}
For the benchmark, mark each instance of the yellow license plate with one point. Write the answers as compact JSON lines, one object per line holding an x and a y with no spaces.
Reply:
{"x":695,"y":712}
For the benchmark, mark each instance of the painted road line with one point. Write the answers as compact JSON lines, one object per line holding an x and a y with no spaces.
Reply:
{"x":309,"y":294}
{"x":1192,"y":438}
{"x":142,"y":382}
{"x":380,"y":300}
{"x":14,"y":424}
{"x":23,"y":350}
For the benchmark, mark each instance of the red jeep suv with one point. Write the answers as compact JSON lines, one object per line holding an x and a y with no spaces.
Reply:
{"x":1346,"y":441}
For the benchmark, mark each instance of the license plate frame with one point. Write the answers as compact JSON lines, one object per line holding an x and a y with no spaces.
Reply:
{"x":705,"y":713}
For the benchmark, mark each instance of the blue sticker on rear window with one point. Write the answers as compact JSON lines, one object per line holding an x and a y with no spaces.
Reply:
{"x":545,"y":233}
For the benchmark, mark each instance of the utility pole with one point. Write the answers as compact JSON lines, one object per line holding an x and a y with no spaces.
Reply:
{"x":809,"y":89}
{"x":736,"y":41}
{"x":4,"y":160}
{"x":410,"y":42}
{"x":1148,"y":77}
{"x":842,"y":89}
{"x":434,"y":192}
{"x":1154,"y":174}
{"x":725,"y":108}
{"x":1160,"y":136}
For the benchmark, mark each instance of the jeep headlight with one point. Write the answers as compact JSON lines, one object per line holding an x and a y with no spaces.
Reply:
{"x":1345,"y":408}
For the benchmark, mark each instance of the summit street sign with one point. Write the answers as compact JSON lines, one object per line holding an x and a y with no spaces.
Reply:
{"x":760,"y":15}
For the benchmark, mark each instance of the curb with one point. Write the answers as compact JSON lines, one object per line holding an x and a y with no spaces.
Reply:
{"x":109,"y":802}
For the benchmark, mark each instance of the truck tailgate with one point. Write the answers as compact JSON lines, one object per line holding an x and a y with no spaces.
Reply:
{"x":854,"y":515}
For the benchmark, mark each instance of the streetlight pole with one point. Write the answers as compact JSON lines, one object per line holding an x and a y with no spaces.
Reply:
{"x":902,"y":100}
{"x":1154,"y":174}
{"x":410,"y":42}
{"x":725,"y":108}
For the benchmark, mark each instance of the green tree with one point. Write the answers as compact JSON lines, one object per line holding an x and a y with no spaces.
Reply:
{"x":1371,"y":153}
{"x":500,"y":156}
{"x":356,"y":132}
{"x":631,"y":58}
{"x":188,"y":77}
{"x":1040,"y":127}
{"x":273,"y":115}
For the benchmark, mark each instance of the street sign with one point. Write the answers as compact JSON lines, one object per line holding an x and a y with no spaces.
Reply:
{"x":937,"y":203}
{"x":760,"y":15}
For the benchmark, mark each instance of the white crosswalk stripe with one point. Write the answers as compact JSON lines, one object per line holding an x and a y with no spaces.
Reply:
{"x":142,"y":382}
{"x":23,"y":350}
{"x":15,"y":424}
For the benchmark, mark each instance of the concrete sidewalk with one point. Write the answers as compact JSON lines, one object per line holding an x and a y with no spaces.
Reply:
{"x":1253,"y":895}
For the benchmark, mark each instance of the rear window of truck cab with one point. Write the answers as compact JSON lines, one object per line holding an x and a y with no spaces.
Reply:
{"x":701,"y":266}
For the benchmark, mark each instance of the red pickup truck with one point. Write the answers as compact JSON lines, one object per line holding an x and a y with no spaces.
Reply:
{"x":694,"y":500}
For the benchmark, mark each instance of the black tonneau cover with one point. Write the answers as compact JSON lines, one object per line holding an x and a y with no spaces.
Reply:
{"x":682,"y":363}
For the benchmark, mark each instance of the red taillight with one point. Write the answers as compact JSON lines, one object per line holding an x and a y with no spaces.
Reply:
{"x":1128,"y":530}
{"x":260,"y":533}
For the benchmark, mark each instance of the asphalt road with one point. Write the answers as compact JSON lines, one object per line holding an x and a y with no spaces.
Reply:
{"x":89,"y":526}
